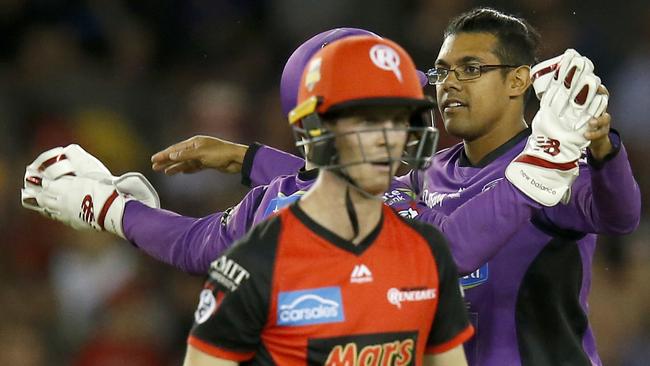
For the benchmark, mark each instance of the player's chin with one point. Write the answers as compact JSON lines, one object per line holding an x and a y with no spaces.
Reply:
{"x":376,"y":184}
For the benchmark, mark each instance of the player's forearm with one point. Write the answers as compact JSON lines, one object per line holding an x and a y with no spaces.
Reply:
{"x":186,"y":243}
{"x":616,"y":196}
{"x":479,"y":228}
{"x":263,"y":163}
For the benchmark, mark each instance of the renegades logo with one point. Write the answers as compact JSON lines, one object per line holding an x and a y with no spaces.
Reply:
{"x":395,"y":349}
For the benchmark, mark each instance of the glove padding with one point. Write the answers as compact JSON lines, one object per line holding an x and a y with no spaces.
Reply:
{"x":546,"y":72}
{"x":548,"y":165}
{"x":74,"y":187}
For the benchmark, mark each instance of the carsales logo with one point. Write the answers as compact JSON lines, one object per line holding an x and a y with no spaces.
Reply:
{"x":313,"y":306}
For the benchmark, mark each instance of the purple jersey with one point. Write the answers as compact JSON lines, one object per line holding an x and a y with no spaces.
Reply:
{"x":528,"y":302}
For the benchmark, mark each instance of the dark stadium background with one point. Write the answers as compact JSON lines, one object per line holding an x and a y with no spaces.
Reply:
{"x":127,"y":78}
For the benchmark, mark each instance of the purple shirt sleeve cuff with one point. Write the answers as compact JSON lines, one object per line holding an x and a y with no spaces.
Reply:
{"x":615,"y":139}
{"x":263,"y":163}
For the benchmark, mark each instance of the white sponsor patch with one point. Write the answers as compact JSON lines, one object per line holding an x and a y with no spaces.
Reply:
{"x":207,"y":306}
{"x":313,"y":306}
{"x":313,"y":74}
{"x":408,"y":213}
{"x":397,"y":297}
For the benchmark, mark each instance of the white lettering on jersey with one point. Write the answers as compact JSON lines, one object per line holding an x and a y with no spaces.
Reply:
{"x":491,"y":184}
{"x":432,"y":199}
{"x":228,"y":273}
{"x":396,"y":296}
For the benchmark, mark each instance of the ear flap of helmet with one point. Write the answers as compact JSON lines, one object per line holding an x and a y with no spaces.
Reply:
{"x":420,"y":147}
{"x":322,"y":150}
{"x":422,"y":141}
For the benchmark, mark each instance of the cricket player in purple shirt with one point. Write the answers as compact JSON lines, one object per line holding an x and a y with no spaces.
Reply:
{"x":528,"y":298}
{"x":529,"y":302}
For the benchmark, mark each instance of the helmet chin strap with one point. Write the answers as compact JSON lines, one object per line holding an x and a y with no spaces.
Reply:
{"x":349,"y":205}
{"x":352,"y":214}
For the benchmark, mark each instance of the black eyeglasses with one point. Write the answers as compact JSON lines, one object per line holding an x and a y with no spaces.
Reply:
{"x":438,"y":75}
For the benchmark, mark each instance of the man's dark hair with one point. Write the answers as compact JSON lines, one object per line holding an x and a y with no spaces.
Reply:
{"x":517,"y":40}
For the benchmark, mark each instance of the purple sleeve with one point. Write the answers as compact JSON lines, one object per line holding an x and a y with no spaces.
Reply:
{"x":469,"y":229}
{"x":263,"y":163}
{"x":604,"y":199}
{"x":187,"y":243}
{"x":473,"y":241}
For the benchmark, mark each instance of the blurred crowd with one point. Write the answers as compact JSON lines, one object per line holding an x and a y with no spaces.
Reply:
{"x":124,"y":79}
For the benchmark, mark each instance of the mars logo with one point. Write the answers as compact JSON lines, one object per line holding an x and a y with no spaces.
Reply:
{"x":375,"y":349}
{"x":393,"y":353}
{"x":387,"y":59}
{"x":548,"y":145}
{"x":87,"y":211}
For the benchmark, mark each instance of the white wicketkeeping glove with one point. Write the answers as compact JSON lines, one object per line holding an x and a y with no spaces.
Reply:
{"x":548,"y":165}
{"x":72,"y":186}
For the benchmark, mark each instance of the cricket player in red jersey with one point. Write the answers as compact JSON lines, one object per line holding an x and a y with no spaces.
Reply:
{"x":338,"y":278}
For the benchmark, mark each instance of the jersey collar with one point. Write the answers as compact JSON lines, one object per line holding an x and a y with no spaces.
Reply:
{"x":463,"y":161}
{"x":333,"y":238}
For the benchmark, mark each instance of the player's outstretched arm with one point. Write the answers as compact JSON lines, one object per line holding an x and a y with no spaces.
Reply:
{"x":198,"y":153}
{"x":258,"y":164}
{"x":188,"y":243}
{"x":73,"y":187}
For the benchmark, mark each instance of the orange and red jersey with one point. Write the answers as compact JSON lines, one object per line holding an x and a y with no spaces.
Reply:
{"x":293,"y":293}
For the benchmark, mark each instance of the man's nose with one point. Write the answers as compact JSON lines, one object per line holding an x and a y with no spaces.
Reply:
{"x":388,"y":133}
{"x":451,"y":81}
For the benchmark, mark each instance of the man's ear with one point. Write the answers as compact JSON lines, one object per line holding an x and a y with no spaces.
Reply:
{"x":519,"y":81}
